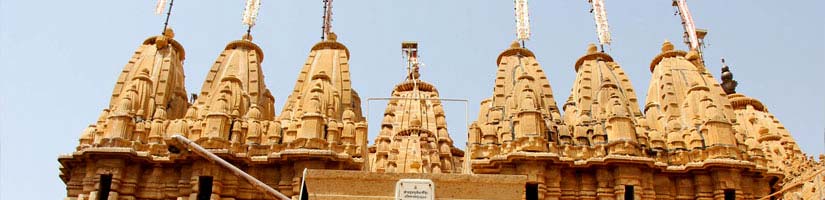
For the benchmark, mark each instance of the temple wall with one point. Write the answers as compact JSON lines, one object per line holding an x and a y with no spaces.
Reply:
{"x":611,"y":181}
{"x":133,"y":179}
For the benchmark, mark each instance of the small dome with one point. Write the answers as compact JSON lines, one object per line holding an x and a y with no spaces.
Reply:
{"x":667,"y":46}
{"x":591,"y":48}
{"x":515,"y":44}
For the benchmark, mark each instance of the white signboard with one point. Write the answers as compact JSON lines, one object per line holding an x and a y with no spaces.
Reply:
{"x":415,"y":189}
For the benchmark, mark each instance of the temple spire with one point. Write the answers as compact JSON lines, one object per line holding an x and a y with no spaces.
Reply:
{"x":728,"y":84}
{"x":413,"y":136}
{"x":522,"y":21}
{"x":326,"y":29}
{"x":600,"y":17}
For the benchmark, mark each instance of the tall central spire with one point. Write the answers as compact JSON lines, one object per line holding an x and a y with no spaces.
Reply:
{"x":413,"y":136}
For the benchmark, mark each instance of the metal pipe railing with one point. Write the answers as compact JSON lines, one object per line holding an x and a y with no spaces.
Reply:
{"x":260,"y":186}
{"x":800,"y":182}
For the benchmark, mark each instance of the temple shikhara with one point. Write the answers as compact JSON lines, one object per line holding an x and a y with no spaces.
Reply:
{"x":692,"y":137}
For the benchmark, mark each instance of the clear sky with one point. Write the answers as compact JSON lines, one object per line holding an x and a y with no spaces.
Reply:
{"x":59,"y":59}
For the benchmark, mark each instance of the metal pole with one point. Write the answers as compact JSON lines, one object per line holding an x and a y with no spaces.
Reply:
{"x":168,"y":14}
{"x":800,"y":182}
{"x":189,"y":144}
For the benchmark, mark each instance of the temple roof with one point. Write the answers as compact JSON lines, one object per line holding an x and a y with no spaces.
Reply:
{"x":153,"y":78}
{"x":237,"y":77}
{"x":327,"y":67}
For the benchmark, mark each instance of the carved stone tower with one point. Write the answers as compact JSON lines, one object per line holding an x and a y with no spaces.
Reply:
{"x":413,"y":136}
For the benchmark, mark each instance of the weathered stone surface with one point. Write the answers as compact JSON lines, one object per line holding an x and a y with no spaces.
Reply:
{"x":694,"y":138}
{"x":413,"y":136}
{"x":691,"y":141}
{"x":321,"y":126}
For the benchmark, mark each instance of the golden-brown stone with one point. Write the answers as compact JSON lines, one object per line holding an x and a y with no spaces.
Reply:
{"x":693,"y":139}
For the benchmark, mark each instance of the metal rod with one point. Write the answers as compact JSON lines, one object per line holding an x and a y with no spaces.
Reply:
{"x":168,"y":13}
{"x":801,"y":182}
{"x":407,"y":98}
{"x":260,"y":186}
{"x":324,"y":24}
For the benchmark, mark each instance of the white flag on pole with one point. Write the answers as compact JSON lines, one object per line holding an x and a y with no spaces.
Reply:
{"x":600,"y":16}
{"x":250,"y":13}
{"x":159,"y":8}
{"x":522,"y":20}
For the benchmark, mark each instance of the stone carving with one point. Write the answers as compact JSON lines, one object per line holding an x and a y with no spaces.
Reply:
{"x":695,"y":138}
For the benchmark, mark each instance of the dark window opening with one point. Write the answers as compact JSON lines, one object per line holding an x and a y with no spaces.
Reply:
{"x":326,"y":134}
{"x":204,"y":187}
{"x":231,"y":126}
{"x":773,"y":189}
{"x":629,"y":192}
{"x":532,"y":191}
{"x":730,"y":194}
{"x":304,"y":193}
{"x":105,"y":187}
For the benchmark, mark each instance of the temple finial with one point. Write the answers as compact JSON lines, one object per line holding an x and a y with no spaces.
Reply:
{"x":410,"y":52}
{"x":667,"y":46}
{"x":728,"y":84}
{"x":515,"y":44}
{"x":247,"y":37}
{"x":591,"y":48}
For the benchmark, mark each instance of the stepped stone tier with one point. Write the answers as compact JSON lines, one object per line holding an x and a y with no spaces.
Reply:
{"x":693,"y":138}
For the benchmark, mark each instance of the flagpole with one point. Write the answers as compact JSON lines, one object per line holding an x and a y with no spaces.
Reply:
{"x":168,"y":14}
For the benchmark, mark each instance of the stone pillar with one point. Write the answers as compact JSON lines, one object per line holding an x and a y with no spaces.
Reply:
{"x":684,"y":188}
{"x":552,"y":183}
{"x":703,"y":185}
{"x":285,"y":183}
{"x":361,"y":138}
{"x":605,"y":189}
{"x":568,"y":184}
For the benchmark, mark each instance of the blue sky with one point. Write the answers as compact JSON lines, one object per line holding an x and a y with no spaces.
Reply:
{"x":60,"y":59}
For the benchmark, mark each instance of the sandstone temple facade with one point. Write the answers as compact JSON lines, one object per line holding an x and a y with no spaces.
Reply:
{"x":692,"y":136}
